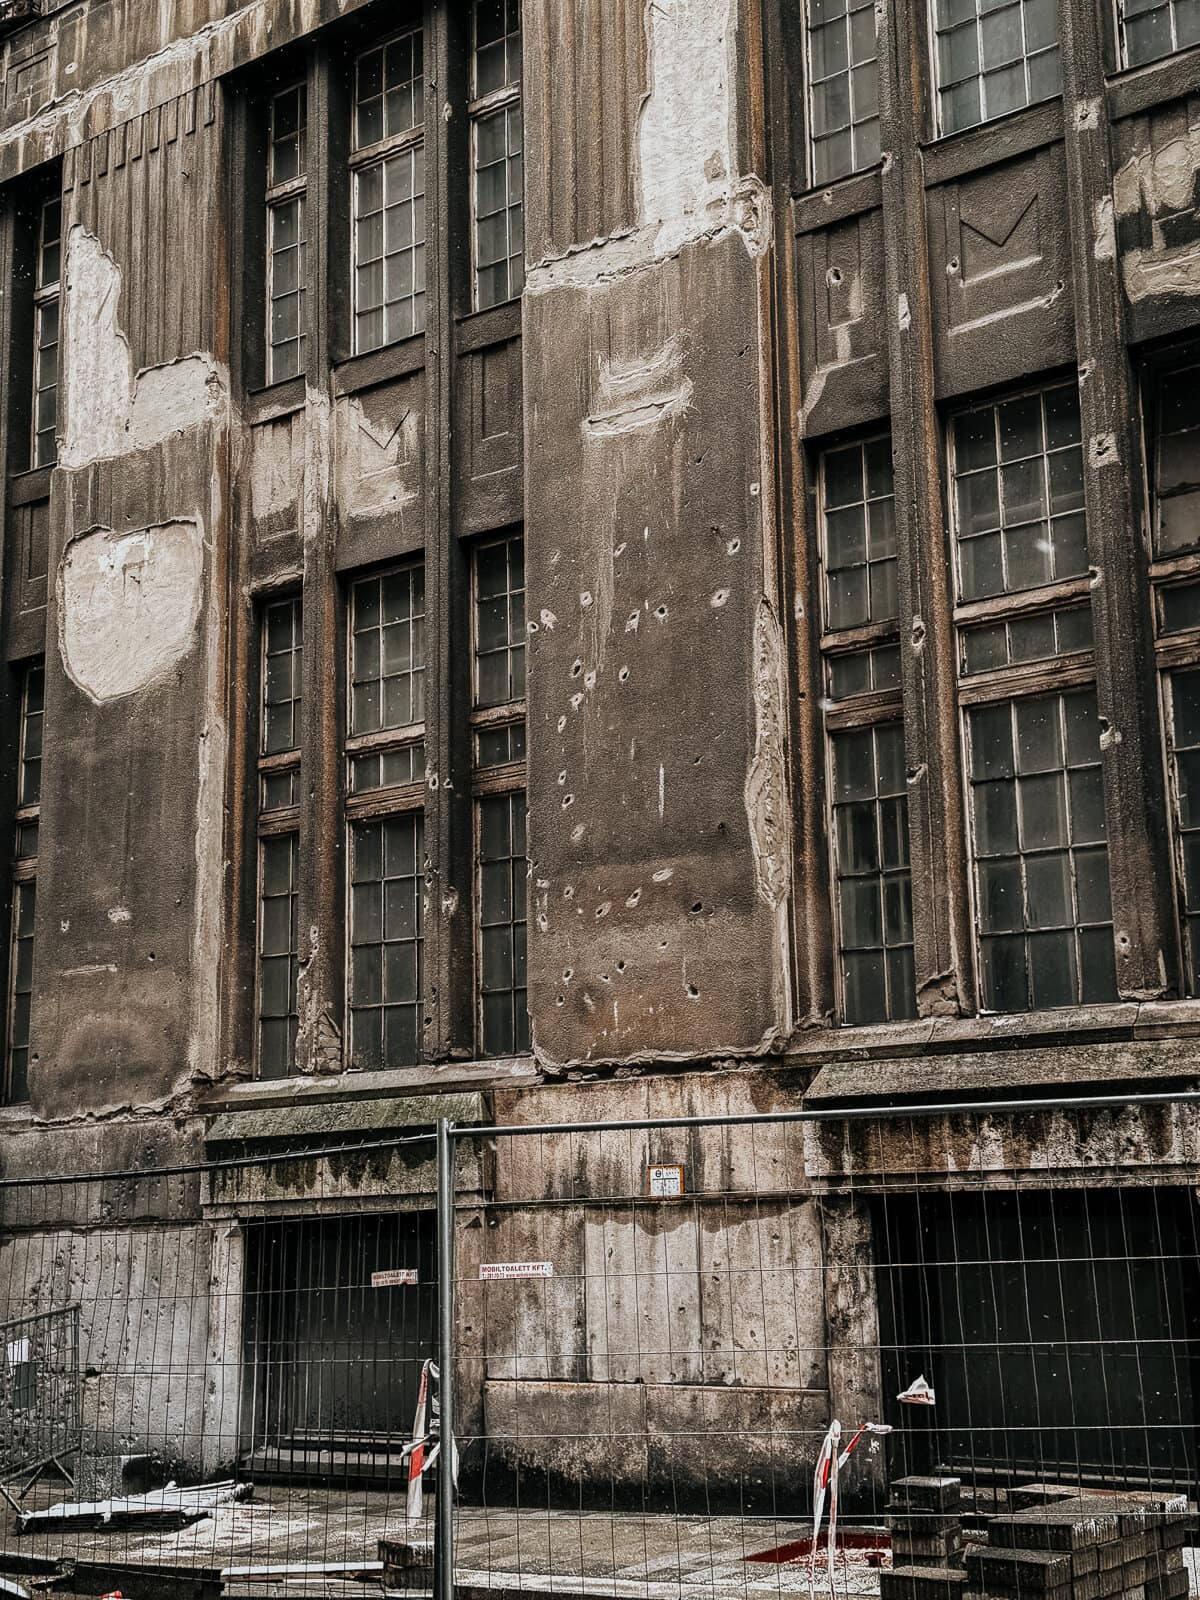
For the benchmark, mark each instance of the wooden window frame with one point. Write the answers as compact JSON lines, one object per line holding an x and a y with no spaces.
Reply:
{"x":24,"y":875}
{"x":479,"y":109}
{"x":277,"y":821}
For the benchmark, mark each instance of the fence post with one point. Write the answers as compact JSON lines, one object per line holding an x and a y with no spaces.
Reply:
{"x":443,"y":1549}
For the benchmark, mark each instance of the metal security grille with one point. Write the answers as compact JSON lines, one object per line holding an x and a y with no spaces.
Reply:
{"x":641,"y":1332}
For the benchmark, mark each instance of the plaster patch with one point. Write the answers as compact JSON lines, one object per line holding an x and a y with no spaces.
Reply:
{"x":378,"y":456}
{"x":639,"y":393}
{"x":128,"y":604}
{"x":1161,"y":184}
{"x":766,"y":785}
{"x":110,"y":410}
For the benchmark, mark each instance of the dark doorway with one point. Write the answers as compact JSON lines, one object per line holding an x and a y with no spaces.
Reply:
{"x":333,"y":1349}
{"x":1059,"y":1329}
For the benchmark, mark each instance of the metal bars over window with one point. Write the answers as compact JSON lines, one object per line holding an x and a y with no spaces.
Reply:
{"x":385,"y":753}
{"x":864,"y":735}
{"x":287,"y":234}
{"x":497,"y":152}
{"x":994,"y":56}
{"x":24,"y":882}
{"x":388,"y":178}
{"x":843,"y":79}
{"x":281,"y":644}
{"x":46,"y":300}
{"x":498,"y":722}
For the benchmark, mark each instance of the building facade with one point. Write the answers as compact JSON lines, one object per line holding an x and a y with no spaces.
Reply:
{"x":586,"y":560}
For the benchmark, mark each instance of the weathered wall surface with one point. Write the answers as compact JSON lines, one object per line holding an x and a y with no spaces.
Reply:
{"x":128,"y":936}
{"x":658,"y":819}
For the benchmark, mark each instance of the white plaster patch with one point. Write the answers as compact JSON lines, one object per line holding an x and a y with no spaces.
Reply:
{"x":639,"y":393}
{"x":128,"y":604}
{"x":685,"y":131}
{"x":378,"y":457}
{"x":110,"y":410}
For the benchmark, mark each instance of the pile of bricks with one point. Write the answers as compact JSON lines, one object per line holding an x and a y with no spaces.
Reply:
{"x":925,"y":1522}
{"x":1060,"y":1545}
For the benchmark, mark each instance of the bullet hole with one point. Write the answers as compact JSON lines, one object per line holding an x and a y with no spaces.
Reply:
{"x":663,"y":875}
{"x":585,"y":601}
{"x":697,"y":907}
{"x":662,"y":944}
{"x":531,"y":628}
{"x":721,"y":827}
{"x":720,"y":596}
{"x":558,"y":1000}
{"x":576,"y":701}
{"x":620,"y":966}
{"x":733,"y":547}
{"x":562,"y":777}
{"x":543,"y":922}
{"x":568,"y":893}
{"x":623,"y":675}
{"x":620,"y":550}
{"x":660,"y":613}
{"x":834,"y":277}
{"x":952,"y":266}
{"x":568,"y":974}
{"x":561,"y":724}
{"x":918,"y":633}
{"x":577,"y":833}
{"x":576,"y":667}
{"x":568,"y":800}
{"x":632,"y":620}
{"x":603,"y":909}
{"x":589,"y":680}
{"x":755,"y":490}
{"x":696,"y":760}
{"x":1095,"y":577}
{"x":151,"y":956}
{"x":692,"y":992}
{"x":1123,"y":942}
{"x":606,"y":977}
{"x":632,"y":900}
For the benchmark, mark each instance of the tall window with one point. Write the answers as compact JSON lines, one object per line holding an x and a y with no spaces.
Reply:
{"x":385,"y":753}
{"x":992,"y":59}
{"x":843,"y":78}
{"x":388,"y":167}
{"x":1154,"y":28}
{"x":1174,"y":451}
{"x":278,"y":836}
{"x":24,"y":882}
{"x":498,"y":722}
{"x":1035,"y":795}
{"x":865,"y":737}
{"x":496,"y":152}
{"x":287,"y":237}
{"x":44,"y":447}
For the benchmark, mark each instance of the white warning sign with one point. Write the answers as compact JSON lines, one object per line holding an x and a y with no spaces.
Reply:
{"x":393,"y":1278}
{"x":515,"y":1269}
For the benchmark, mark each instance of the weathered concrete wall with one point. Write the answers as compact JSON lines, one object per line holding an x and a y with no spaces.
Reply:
{"x":658,"y":814}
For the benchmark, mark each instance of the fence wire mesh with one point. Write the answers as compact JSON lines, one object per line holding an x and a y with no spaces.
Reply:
{"x":214,"y":1377}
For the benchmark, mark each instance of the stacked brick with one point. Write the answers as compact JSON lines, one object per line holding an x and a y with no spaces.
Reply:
{"x":924,"y":1518}
{"x":1091,"y":1547}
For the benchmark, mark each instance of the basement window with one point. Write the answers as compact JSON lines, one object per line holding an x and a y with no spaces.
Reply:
{"x":843,"y":80}
{"x":993,"y":59}
{"x":499,"y":780}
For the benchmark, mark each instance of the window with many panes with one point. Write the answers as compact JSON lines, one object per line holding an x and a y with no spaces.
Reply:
{"x":1026,"y":683}
{"x":498,"y":724}
{"x":287,"y":231}
{"x":385,"y":758}
{"x":497,"y":160}
{"x":993,"y":58}
{"x":388,"y":188}
{"x":281,"y":650}
{"x":864,"y":733}
{"x":24,"y":882}
{"x":843,"y":87}
{"x":1173,"y":441}
{"x":1151,"y":29}
{"x":46,"y":297}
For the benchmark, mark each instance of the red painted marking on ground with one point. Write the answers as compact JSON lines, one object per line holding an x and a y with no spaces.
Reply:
{"x":872,"y":1547}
